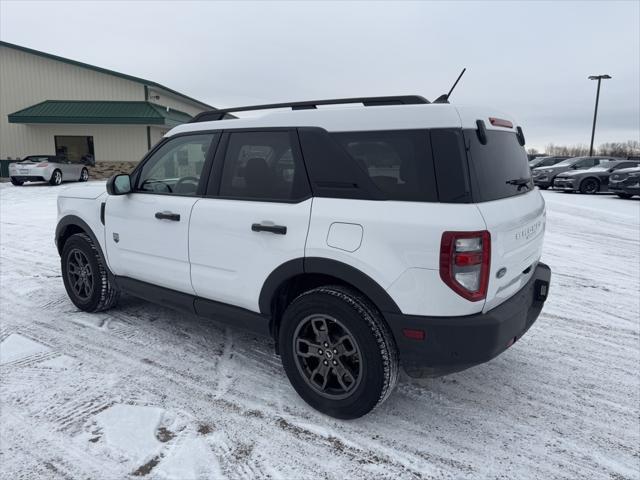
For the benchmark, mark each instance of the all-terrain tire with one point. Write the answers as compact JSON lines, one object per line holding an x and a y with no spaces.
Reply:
{"x":104,"y":294}
{"x":16,"y":182}
{"x":56,"y":178}
{"x":378,"y":364}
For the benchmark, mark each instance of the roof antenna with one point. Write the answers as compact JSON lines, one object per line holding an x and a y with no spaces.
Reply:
{"x":445,"y":97}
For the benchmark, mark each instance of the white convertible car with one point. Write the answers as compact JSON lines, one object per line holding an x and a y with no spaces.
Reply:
{"x":47,"y":168}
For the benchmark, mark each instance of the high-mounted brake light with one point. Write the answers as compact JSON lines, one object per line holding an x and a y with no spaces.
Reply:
{"x":500,"y":122}
{"x":465,"y":258}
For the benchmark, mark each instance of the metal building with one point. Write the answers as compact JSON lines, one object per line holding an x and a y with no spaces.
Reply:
{"x":53,"y":105}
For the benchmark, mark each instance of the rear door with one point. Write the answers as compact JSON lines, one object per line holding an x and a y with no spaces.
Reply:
{"x":147,"y":230}
{"x":514,"y":212}
{"x":254,"y":219}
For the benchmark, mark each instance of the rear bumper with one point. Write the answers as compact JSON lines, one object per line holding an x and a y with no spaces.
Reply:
{"x":30,"y":178}
{"x":455,"y":343}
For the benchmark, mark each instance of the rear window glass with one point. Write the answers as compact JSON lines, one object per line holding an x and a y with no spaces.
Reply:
{"x":397,"y":162}
{"x":499,"y":168}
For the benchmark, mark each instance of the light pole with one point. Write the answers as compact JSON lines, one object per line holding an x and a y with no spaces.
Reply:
{"x":595,"y":112}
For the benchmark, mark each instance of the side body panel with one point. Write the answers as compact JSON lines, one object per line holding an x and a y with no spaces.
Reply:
{"x":145,"y":248}
{"x":229,"y":261}
{"x":399,"y":248}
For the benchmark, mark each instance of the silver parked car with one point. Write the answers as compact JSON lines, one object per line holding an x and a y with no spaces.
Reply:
{"x":592,"y":180}
{"x":54,"y":169}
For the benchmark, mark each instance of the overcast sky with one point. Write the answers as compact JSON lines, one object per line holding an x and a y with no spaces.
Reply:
{"x":530,"y":59}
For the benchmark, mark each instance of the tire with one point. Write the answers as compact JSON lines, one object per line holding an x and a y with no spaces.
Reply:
{"x":56,"y":178}
{"x":84,"y":175}
{"x":360,"y":345}
{"x":92,"y":292}
{"x":16,"y":182}
{"x":621,"y":195}
{"x":543,"y":188}
{"x":589,"y":186}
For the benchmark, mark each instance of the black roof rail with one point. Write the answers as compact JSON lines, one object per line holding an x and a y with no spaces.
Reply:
{"x":312,"y":104}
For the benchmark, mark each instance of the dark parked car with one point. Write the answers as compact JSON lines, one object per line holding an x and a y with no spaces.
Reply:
{"x":545,"y":161}
{"x":543,"y":177}
{"x":626,"y":182}
{"x":592,"y":180}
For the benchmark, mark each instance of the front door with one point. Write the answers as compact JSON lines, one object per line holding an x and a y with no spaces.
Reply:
{"x":147,"y":230}
{"x":254,"y":219}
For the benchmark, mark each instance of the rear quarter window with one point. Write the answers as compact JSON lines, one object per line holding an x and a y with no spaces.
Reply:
{"x":397,"y":162}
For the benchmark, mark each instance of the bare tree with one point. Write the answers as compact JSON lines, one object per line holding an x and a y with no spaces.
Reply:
{"x":613,"y":149}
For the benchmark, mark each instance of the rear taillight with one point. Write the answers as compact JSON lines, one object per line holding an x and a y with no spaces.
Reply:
{"x":465,"y":258}
{"x":43,"y":164}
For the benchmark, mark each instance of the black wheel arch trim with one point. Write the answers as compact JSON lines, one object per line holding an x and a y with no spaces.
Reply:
{"x":325,"y":266}
{"x":73,"y":220}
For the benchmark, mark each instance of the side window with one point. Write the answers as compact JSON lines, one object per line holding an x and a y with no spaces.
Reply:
{"x":398,"y":162}
{"x":585,"y":163}
{"x":175,"y":167}
{"x":263,"y":165}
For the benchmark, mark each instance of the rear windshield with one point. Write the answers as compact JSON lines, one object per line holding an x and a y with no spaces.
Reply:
{"x":36,"y":159}
{"x":500,"y":168}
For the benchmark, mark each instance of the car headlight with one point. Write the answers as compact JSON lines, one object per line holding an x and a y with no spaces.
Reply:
{"x":634,"y":175}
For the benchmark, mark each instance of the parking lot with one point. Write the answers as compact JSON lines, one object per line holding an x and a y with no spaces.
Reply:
{"x":144,"y":391}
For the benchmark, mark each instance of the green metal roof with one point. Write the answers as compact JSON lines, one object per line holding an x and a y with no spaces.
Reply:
{"x":99,"y":112}
{"x":102,"y":70}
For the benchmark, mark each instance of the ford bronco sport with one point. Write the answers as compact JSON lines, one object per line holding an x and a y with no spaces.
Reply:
{"x":361,"y":238}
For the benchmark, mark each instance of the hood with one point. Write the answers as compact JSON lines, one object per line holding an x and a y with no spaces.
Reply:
{"x":89,"y":190}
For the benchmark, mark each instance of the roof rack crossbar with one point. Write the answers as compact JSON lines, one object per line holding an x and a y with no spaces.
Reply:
{"x":310,"y":105}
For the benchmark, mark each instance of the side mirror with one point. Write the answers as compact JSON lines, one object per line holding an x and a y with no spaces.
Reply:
{"x":119,"y":184}
{"x":574,"y":167}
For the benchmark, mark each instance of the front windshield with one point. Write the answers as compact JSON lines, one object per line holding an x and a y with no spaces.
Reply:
{"x":36,"y":159}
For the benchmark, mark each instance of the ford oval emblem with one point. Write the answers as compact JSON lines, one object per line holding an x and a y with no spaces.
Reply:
{"x":501,"y":272}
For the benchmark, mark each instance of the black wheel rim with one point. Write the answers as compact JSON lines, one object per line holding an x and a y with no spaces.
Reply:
{"x":80,"y":274}
{"x":590,"y":186}
{"x":327,"y":356}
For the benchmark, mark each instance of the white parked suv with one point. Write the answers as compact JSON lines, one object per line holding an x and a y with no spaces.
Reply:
{"x":361,"y":238}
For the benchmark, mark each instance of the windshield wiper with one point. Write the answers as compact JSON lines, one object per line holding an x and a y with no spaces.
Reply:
{"x":520,"y":182}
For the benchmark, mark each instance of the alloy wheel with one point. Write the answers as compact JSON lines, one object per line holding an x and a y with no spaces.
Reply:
{"x":80,"y":274}
{"x":57,"y":178}
{"x":590,"y":186}
{"x":327,"y":356}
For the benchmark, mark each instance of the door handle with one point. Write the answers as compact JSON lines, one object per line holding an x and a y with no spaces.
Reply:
{"x":277,"y":229}
{"x":168,"y":216}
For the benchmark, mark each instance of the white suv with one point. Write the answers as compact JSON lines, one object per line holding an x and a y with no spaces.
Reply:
{"x":361,"y":238}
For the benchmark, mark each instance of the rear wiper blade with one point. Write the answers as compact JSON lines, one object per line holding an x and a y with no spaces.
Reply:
{"x":520,"y":182}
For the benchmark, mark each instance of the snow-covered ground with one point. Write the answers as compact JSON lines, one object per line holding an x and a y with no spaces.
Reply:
{"x":147,"y":392}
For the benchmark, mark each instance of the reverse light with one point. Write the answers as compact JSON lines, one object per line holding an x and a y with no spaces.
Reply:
{"x":465,"y":258}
